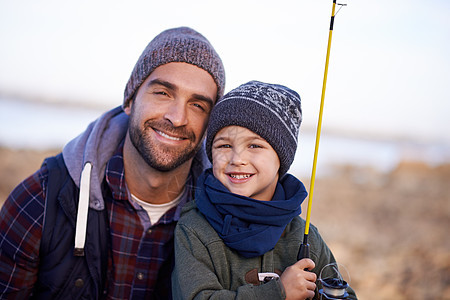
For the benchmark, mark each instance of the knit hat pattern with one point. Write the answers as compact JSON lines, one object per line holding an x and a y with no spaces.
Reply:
{"x":181,"y":44}
{"x":270,"y":110}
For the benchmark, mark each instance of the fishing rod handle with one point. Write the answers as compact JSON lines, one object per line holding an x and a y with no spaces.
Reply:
{"x":303,"y":252}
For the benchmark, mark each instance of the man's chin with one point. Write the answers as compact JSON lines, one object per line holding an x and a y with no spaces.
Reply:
{"x":162,"y":164}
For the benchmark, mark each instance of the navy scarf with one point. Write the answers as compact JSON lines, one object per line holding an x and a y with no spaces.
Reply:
{"x":251,"y":227}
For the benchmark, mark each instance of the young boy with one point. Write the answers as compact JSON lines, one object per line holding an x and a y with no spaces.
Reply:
{"x":241,"y":237}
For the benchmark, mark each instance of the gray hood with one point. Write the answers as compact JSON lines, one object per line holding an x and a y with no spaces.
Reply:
{"x":96,"y":146}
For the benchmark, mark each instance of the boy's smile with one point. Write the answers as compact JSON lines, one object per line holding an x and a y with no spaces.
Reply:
{"x":245,"y":163}
{"x":239,"y":177}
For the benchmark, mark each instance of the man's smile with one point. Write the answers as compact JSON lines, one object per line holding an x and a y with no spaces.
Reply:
{"x":167,"y":136}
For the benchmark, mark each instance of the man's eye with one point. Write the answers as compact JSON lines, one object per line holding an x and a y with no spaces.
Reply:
{"x":159,"y":92}
{"x":199,"y":106}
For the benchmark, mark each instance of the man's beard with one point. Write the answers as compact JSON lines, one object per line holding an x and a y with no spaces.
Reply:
{"x":159,"y":157}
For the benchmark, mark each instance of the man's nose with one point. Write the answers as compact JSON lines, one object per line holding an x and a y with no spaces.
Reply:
{"x":177,"y":113}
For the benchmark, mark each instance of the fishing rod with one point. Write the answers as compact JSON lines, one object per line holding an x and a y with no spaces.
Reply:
{"x":333,"y":288}
{"x":304,"y":248}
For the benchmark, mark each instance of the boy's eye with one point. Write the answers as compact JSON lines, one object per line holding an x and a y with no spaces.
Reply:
{"x":223,"y":146}
{"x":253,"y":146}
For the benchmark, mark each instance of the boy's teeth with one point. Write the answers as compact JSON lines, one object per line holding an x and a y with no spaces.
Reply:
{"x":168,"y":136}
{"x":239,"y":176}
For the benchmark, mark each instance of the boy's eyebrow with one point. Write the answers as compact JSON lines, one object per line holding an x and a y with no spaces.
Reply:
{"x":249,"y":138}
{"x":220,"y":139}
{"x":173,"y":87}
{"x":257,"y":138}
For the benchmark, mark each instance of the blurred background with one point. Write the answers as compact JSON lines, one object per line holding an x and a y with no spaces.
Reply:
{"x":381,"y":198}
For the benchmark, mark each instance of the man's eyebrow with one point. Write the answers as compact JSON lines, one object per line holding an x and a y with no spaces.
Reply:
{"x":163,"y":83}
{"x":204,"y":99}
{"x":173,"y":87}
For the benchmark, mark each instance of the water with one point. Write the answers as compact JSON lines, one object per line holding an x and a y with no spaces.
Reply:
{"x":380,"y":154}
{"x":25,"y":124}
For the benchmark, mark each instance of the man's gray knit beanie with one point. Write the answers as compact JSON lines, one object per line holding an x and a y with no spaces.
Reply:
{"x":181,"y":44}
{"x":270,"y":110}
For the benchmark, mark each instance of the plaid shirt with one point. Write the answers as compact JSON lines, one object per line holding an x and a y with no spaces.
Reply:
{"x":141,"y":258}
{"x":21,"y":219}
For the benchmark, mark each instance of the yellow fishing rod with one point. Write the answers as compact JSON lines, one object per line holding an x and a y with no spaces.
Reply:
{"x":304,"y":248}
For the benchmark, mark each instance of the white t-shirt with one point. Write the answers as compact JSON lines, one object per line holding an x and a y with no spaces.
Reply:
{"x":156,"y":211}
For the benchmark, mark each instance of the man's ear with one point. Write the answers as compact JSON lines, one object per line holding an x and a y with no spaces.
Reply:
{"x":127,"y":109}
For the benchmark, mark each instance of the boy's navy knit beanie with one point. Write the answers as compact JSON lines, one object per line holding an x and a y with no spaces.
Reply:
{"x":181,"y":44}
{"x":270,"y":110}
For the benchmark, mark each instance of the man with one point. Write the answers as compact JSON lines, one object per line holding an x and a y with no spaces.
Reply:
{"x":97,"y":220}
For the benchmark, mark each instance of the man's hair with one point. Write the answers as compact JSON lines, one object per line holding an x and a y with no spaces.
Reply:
{"x":181,"y":44}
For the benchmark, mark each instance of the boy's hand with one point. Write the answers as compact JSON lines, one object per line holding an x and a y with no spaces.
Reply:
{"x":298,"y":283}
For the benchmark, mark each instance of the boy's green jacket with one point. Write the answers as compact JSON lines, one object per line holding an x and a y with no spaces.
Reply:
{"x":205,"y":268}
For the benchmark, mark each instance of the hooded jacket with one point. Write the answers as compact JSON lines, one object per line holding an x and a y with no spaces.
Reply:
{"x":75,"y":209}
{"x":224,"y":242}
{"x":206,"y":268}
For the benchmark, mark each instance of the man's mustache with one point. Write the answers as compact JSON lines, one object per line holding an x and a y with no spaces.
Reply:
{"x":168,"y":128}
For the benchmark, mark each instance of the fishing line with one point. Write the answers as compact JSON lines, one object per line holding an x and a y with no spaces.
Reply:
{"x":340,"y":7}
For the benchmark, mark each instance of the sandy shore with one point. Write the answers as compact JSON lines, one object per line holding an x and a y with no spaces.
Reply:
{"x":390,"y":231}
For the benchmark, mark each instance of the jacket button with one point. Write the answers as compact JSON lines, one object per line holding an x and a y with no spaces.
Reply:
{"x":140,"y":276}
{"x":79,"y":282}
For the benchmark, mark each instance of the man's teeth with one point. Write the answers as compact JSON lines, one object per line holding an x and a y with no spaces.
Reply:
{"x":168,"y":136}
{"x":240,"y":176}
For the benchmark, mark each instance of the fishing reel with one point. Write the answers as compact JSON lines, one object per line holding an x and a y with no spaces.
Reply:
{"x":333,"y":286}
{"x":331,"y":283}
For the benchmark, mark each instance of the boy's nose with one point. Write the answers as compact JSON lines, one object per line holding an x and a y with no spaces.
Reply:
{"x":238,"y":158}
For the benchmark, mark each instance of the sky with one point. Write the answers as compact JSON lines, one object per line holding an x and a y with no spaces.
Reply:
{"x":388,"y":74}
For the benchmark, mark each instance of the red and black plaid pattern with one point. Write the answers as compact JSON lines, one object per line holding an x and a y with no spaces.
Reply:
{"x":21,"y":219}
{"x":140,"y":260}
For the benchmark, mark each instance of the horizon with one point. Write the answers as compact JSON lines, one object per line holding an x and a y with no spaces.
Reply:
{"x":49,"y":126}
